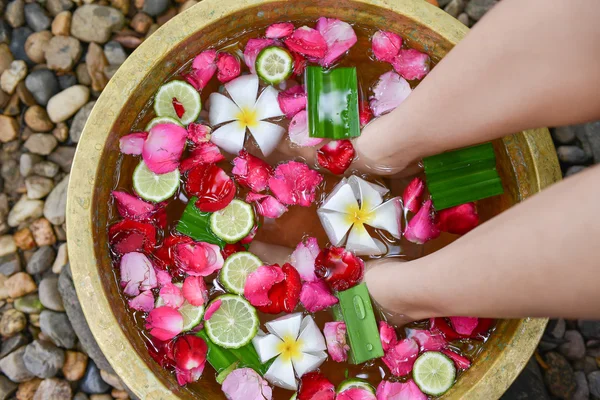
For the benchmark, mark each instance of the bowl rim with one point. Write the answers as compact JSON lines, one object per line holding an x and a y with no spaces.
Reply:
{"x":111,"y":339}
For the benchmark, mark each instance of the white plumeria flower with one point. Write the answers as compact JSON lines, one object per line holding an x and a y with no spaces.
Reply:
{"x":354,"y":203}
{"x":245,"y":111}
{"x":298,"y":344}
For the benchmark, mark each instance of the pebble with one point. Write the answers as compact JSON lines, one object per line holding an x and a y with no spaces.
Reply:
{"x":6,"y":57}
{"x":34,"y":319}
{"x":119,"y":394}
{"x":27,"y":389}
{"x":24,"y":239}
{"x":80,"y":396}
{"x":36,"y":17}
{"x":5,"y":32}
{"x":122,"y":5}
{"x":26,"y":163}
{"x":41,"y":260}
{"x":583,"y":391}
{"x":25,"y":95}
{"x":14,"y":368}
{"x":15,"y":13}
{"x":29,"y":304}
{"x":101,"y":397}
{"x":75,"y":365}
{"x":53,"y":389}
{"x":61,"y":25}
{"x":65,"y":104}
{"x":563,"y":134}
{"x":13,"y":75}
{"x":455,"y":7}
{"x":155,"y":7}
{"x":41,"y":143}
{"x":165,"y":17}
{"x":594,"y":383}
{"x":80,"y":119}
{"x":559,"y":376}
{"x":9,"y":128}
{"x":37,"y":119}
{"x":20,"y":284}
{"x":571,"y":154}
{"x":141,"y":22}
{"x":587,"y":364}
{"x":67,"y":80}
{"x":92,"y":382}
{"x":7,"y":388}
{"x":43,"y":85}
{"x":13,"y":108}
{"x":112,"y":379}
{"x":43,"y":359}
{"x":17,"y":44}
{"x":56,"y":203}
{"x":58,"y":6}
{"x":7,"y":245}
{"x":61,"y":132}
{"x":12,"y":343}
{"x":12,"y":322}
{"x":95,"y":23}
{"x":477,"y":8}
{"x":463,"y":18}
{"x":62,"y":53}
{"x":129,"y":41}
{"x":83,"y":77}
{"x":25,"y":210}
{"x":9,"y":171}
{"x":114,"y":52}
{"x":589,"y":329}
{"x":10,"y":264}
{"x":3,"y":289}
{"x":42,"y":168}
{"x":38,"y":187}
{"x":96,"y":64}
{"x":42,"y":232}
{"x":57,"y":327}
{"x":49,"y":295}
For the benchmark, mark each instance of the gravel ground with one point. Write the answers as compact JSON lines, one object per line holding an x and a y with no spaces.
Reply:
{"x":56,"y":57}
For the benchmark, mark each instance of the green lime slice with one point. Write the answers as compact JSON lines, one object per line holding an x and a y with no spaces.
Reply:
{"x":234,"y":222}
{"x":294,"y":396}
{"x":161,"y":120}
{"x":154,"y":187}
{"x":274,"y":64}
{"x":234,"y":324}
{"x":192,"y":315}
{"x":185,"y":93}
{"x":236,"y":269}
{"x":434,"y":373}
{"x":355,"y":383}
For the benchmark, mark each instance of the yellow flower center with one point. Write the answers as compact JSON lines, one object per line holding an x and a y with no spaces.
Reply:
{"x":358,"y":215}
{"x":247,"y":117}
{"x":290,"y":348}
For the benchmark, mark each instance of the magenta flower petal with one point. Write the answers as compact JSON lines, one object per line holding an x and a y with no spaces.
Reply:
{"x":413,"y":195}
{"x":143,"y":301}
{"x":422,"y":228}
{"x":189,"y":354}
{"x":294,"y":183}
{"x":267,"y":206}
{"x":280,"y":30}
{"x":246,"y":384}
{"x":386,"y":45}
{"x":253,"y":47}
{"x":251,"y":172}
{"x":427,"y":341}
{"x":198,"y":258}
{"x":338,"y":35}
{"x":137,"y":274}
{"x":401,"y":357}
{"x":335,"y":336}
{"x":399,"y":391}
{"x":388,"y":335}
{"x":194,"y":290}
{"x":260,"y":282}
{"x":164,"y":323}
{"x":204,"y":153}
{"x":228,"y":67}
{"x":460,"y":361}
{"x":308,"y":42}
{"x":212,"y":308}
{"x":316,"y":296}
{"x":162,"y":277}
{"x":292,"y":100}
{"x":303,"y":258}
{"x":163,"y":148}
{"x":298,"y":131}
{"x":132,"y":207}
{"x":204,"y":67}
{"x":458,"y":219}
{"x":356,"y":394}
{"x":411,"y":64}
{"x":133,"y":143}
{"x":464,"y":325}
{"x":171,"y":295}
{"x":198,"y":133}
{"x":389,"y":92}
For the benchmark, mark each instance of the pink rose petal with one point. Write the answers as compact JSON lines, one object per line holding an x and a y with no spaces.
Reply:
{"x":335,"y":336}
{"x":292,"y":100}
{"x":251,"y":172}
{"x":132,"y":207}
{"x":411,"y":64}
{"x":246,"y":384}
{"x":316,"y":296}
{"x":260,"y":282}
{"x":460,"y":361}
{"x":228,"y":67}
{"x":171,"y":295}
{"x":294,"y":183}
{"x":189,"y":354}
{"x":137,"y":274}
{"x":303,"y":258}
{"x":401,"y":357}
{"x":198,"y":133}
{"x":413,"y":195}
{"x":338,"y":35}
{"x":388,"y":335}
{"x":386,"y":45}
{"x":308,"y":42}
{"x":162,"y":277}
{"x":133,"y":143}
{"x":389,"y":92}
{"x":464,"y":325}
{"x":422,"y":228}
{"x":198,"y":258}
{"x":253,"y":47}
{"x":399,"y":391}
{"x":212,"y":308}
{"x":427,"y":341}
{"x":163,"y":148}
{"x":298,"y":131}
{"x":143,"y":301}
{"x":194,"y":290}
{"x":280,"y":30}
{"x":356,"y":394}
{"x":266,"y":205}
{"x":203,"y":68}
{"x":205,"y":153}
{"x":164,"y":323}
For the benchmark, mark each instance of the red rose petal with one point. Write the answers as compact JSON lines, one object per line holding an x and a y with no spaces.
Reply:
{"x":203,"y":68}
{"x":259,"y":283}
{"x":308,"y":42}
{"x":128,"y":236}
{"x":339,"y":268}
{"x":132,"y":207}
{"x":143,"y":302}
{"x":198,"y":133}
{"x":315,"y":386}
{"x":189,"y":352}
{"x":422,"y":228}
{"x":194,"y":290}
{"x":459,"y":219}
{"x":198,"y":258}
{"x":335,"y":337}
{"x":164,"y":253}
{"x":230,"y":249}
{"x":389,"y":92}
{"x":364,"y":113}
{"x":205,"y":153}
{"x":164,"y":323}
{"x":336,"y":156}
{"x":464,"y":325}
{"x":299,"y":63}
{"x":386,"y":45}
{"x":171,"y":295}
{"x":428,"y":341}
{"x":137,"y":274}
{"x":251,"y":172}
{"x":285,"y":295}
{"x":212,"y":308}
{"x":228,"y":67}
{"x":280,"y":30}
{"x":411,"y":64}
{"x":399,"y":391}
{"x":413,"y":195}
{"x":298,"y":131}
{"x":295,"y":183}
{"x":292,"y":100}
{"x":388,"y":335}
{"x":401,"y":357}
{"x":178,"y":107}
{"x":316,"y":296}
{"x":250,"y":237}
{"x":461,"y":362}
{"x":267,"y":206}
{"x":213,"y":187}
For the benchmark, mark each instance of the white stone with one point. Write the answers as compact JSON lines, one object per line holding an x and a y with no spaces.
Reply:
{"x":25,"y":210}
{"x":62,"y":258}
{"x":7,"y":245}
{"x":65,"y":104}
{"x":13,"y":75}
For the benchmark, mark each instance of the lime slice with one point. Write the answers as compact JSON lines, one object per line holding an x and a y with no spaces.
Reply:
{"x":161,"y":120}
{"x":274,"y":64}
{"x":434,"y":373}
{"x":154,"y":187}
{"x":236,"y":269}
{"x":294,"y":396}
{"x":234,"y":324}
{"x":234,"y":222}
{"x":183,"y":92}
{"x":192,"y":315}
{"x":355,"y":383}
{"x":225,"y":373}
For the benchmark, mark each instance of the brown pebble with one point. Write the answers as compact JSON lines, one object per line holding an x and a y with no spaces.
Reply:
{"x":36,"y":44}
{"x":6,"y":57}
{"x":26,"y":133}
{"x":43,"y":233}
{"x":9,"y":129}
{"x":24,"y":239}
{"x":101,"y":397}
{"x":75,"y":364}
{"x":53,"y":389}
{"x":96,"y":62}
{"x":129,"y":42}
{"x":119,"y":394}
{"x":25,"y":95}
{"x":62,"y":53}
{"x":20,"y":284}
{"x":61,"y":132}
{"x":12,"y":322}
{"x":83,"y":77}
{"x":166,"y":16}
{"x":122,"y":5}
{"x":139,"y":4}
{"x":61,"y":25}
{"x":141,"y":22}
{"x":4,"y":97}
{"x":27,"y":389}
{"x":34,"y":319}
{"x":13,"y":107}
{"x":37,"y":119}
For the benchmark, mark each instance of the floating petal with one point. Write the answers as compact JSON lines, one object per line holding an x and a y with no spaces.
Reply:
{"x":386,"y":45}
{"x":335,"y":336}
{"x":295,"y":183}
{"x":137,"y":274}
{"x":164,"y":323}
{"x":341,"y":199}
{"x":287,"y":326}
{"x":251,"y":172}
{"x":230,"y":137}
{"x":211,"y":185}
{"x":267,"y":135}
{"x":253,"y":47}
{"x":280,"y":30}
{"x":389,"y":92}
{"x":338,"y":35}
{"x":228,"y":67}
{"x":132,"y":207}
{"x":127,"y":236}
{"x":246,"y":384}
{"x":387,"y":217}
{"x":341,"y":269}
{"x":336,"y":225}
{"x":298,"y":131}
{"x":292,"y":100}
{"x":361,"y":243}
{"x":267,"y":206}
{"x":315,"y":386}
{"x":203,"y":68}
{"x":205,"y":153}
{"x":400,"y":358}
{"x":336,"y":156}
{"x":310,"y":336}
{"x":459,"y":219}
{"x":427,"y":341}
{"x":171,"y":295}
{"x":198,"y":258}
{"x":388,"y":335}
{"x":356,"y":393}
{"x":194,"y":291}
{"x":303,"y":259}
{"x":308,"y":362}
{"x":281,"y":373}
{"x":367,"y":195}
{"x":133,"y":143}
{"x":260,"y":282}
{"x":267,"y":105}
{"x":285,"y":295}
{"x":464,"y":325}
{"x":460,"y":361}
{"x":421,"y":228}
{"x":243,"y":91}
{"x":189,"y":353}
{"x":163,"y":147}
{"x":212,"y":308}
{"x":413,"y":195}
{"x":399,"y":391}
{"x":222,"y":109}
{"x":267,"y":346}
{"x":198,"y":133}
{"x":143,"y":302}
{"x":307,"y":41}
{"x":411,"y":64}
